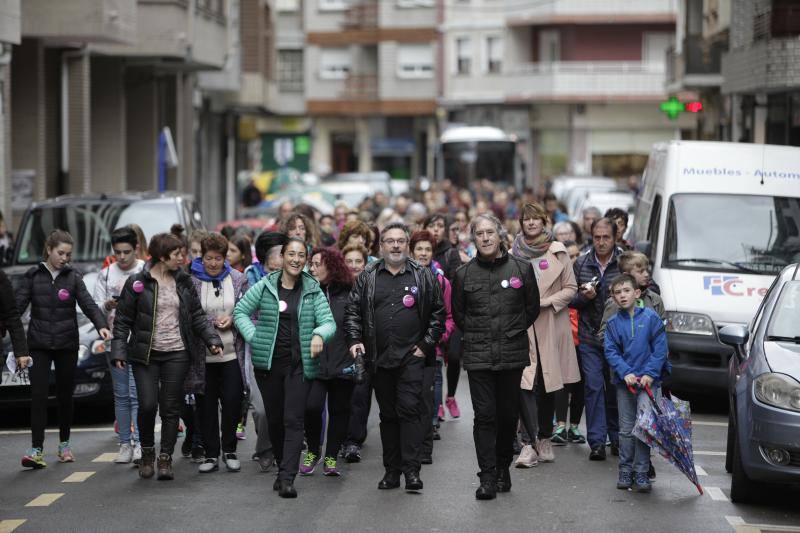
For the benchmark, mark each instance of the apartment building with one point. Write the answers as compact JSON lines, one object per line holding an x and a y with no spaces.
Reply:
{"x":694,"y":63}
{"x":10,"y":27}
{"x":94,"y":83}
{"x":371,"y":85}
{"x":761,"y":71}
{"x":578,"y":81}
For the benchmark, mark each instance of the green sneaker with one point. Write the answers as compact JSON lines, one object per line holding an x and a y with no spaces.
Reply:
{"x":574,"y":435}
{"x":559,"y":436}
{"x":309,"y":464}
{"x":34,"y":459}
{"x":330,"y":468}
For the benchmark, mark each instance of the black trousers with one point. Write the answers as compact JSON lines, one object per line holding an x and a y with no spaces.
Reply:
{"x":360,"y":406}
{"x":429,"y":407}
{"x":39,"y":375}
{"x":160,"y":388}
{"x":338,"y":393}
{"x":192,"y":416}
{"x":536,"y":410}
{"x":285,"y":393}
{"x":570,"y":397}
{"x":495,"y":400}
{"x":399,"y":394}
{"x":454,"y":351}
{"x":223,"y":388}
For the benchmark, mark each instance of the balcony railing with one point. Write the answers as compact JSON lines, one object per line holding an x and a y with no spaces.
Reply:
{"x":587,"y":8}
{"x":564,"y":80}
{"x":360,"y":87}
{"x":361,"y":15}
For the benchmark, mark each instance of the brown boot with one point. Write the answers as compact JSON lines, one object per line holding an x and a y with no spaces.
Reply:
{"x":165,"y":466}
{"x":146,"y":469}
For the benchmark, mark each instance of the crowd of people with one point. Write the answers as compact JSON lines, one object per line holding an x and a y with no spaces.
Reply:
{"x":299,"y":326}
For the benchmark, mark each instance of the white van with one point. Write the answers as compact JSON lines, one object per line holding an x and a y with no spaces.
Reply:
{"x":719,"y":221}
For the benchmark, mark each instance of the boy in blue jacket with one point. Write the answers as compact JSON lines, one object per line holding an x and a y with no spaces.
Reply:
{"x":636,"y":351}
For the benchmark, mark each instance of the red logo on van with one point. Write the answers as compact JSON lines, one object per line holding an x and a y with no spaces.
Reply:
{"x":730,"y":286}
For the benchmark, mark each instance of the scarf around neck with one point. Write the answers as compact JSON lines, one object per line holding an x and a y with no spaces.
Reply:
{"x":531,"y":251}
{"x":199,"y":271}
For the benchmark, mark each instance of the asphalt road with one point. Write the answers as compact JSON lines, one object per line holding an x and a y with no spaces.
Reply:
{"x":571,"y":494}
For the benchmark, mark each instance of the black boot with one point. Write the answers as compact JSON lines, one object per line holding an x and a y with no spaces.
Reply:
{"x":487,"y":489}
{"x":413,"y":482}
{"x":391,"y":480}
{"x":146,"y":465}
{"x":286,"y":489}
{"x":503,"y":483}
{"x":165,"y":467}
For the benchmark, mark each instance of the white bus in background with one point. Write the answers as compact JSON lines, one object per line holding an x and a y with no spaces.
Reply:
{"x":472,"y":153}
{"x":719,"y":222}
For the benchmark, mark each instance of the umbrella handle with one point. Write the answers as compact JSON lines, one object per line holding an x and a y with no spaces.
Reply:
{"x":631,"y":389}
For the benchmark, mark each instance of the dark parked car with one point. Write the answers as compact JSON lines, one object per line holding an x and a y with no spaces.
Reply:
{"x":90,"y":219}
{"x":764,"y":392}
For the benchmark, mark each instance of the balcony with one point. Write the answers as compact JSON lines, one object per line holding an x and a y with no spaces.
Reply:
{"x":360,"y":87}
{"x":591,"y":12}
{"x":699,"y":65}
{"x":562,"y":81}
{"x":91,"y":21}
{"x":363,"y":15}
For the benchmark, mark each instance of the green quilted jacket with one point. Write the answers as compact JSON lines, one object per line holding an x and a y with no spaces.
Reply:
{"x":315,"y":318}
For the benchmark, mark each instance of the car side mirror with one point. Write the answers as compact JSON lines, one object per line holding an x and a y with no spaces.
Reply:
{"x":735,"y":336}
{"x":645,"y":247}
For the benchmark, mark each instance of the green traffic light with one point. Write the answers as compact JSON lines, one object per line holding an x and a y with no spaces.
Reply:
{"x":672,"y":108}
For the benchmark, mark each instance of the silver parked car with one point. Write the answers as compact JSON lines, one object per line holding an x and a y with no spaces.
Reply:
{"x":764,"y":392}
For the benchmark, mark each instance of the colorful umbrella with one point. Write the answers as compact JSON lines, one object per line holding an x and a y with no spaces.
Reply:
{"x":665,"y":424}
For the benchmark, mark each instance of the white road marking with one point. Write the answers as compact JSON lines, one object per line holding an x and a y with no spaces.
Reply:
{"x":716,"y":494}
{"x":700,"y":470}
{"x":7,"y":526}
{"x":735,"y":520}
{"x":77,"y":477}
{"x":709,"y":423}
{"x":706,"y":452}
{"x":43,"y":500}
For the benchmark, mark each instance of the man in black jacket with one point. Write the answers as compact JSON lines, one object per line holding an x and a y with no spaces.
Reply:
{"x":395,"y":315}
{"x":495,"y":300}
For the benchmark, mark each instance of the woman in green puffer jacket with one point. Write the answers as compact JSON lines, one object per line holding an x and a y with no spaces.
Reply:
{"x":294,"y":320}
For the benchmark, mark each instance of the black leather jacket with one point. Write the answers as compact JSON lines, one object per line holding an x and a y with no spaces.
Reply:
{"x":135,"y":319}
{"x":359,"y":314}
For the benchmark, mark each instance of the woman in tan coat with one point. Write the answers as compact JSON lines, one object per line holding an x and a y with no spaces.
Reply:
{"x":553,"y":359}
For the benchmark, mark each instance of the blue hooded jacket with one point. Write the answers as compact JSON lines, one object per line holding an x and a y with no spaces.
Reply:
{"x":636,"y":345}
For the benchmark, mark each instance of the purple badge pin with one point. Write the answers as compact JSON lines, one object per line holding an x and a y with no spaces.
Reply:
{"x":414,"y":290}
{"x":282,"y":306}
{"x":63,"y":295}
{"x":515,"y":282}
{"x":408,"y":300}
{"x":544,"y":264}
{"x":138,"y":287}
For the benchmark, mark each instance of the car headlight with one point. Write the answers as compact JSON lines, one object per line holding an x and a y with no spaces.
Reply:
{"x":778,"y":390}
{"x":689,"y":323}
{"x":83,"y":352}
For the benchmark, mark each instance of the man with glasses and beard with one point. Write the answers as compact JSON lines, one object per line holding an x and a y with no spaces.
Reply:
{"x":495,"y":300}
{"x":395,"y":316}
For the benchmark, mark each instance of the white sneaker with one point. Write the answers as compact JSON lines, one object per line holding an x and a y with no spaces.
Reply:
{"x":137,"y":453}
{"x":528,"y":458}
{"x":545,"y":449}
{"x":209,"y":465}
{"x":232,"y":462}
{"x":125,"y":454}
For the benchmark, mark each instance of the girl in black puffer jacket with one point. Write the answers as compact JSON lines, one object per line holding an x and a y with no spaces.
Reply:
{"x":52,"y":289}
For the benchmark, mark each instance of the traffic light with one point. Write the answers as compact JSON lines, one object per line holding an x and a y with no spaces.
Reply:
{"x":693,"y":107}
{"x":674,"y":107}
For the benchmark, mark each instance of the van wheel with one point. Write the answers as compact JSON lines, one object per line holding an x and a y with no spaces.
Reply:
{"x":742,"y":489}
{"x":730,"y":445}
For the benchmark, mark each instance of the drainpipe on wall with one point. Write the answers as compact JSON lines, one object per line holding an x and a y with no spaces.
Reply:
{"x":63,"y":176}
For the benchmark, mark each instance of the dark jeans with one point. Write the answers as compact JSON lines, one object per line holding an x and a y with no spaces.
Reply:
{"x":570,"y":397}
{"x":39,"y":374}
{"x":495,"y":400}
{"x":429,"y":406}
{"x":338,"y":393}
{"x":285,"y":393}
{"x":360,"y":405}
{"x":454,"y":351}
{"x":399,"y":394}
{"x":536,"y":410}
{"x":160,"y":387}
{"x":223,"y":386}
{"x":602,"y":419}
{"x":192,"y":416}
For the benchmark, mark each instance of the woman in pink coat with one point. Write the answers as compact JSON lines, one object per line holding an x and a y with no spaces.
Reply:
{"x":553,"y":359}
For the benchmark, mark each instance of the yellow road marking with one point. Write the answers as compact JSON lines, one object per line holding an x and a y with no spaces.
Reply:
{"x":7,"y":526}
{"x":43,"y":500}
{"x":105,"y":458}
{"x":77,"y":477}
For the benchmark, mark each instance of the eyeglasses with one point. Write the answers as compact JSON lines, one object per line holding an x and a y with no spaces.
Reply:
{"x":392,"y":242}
